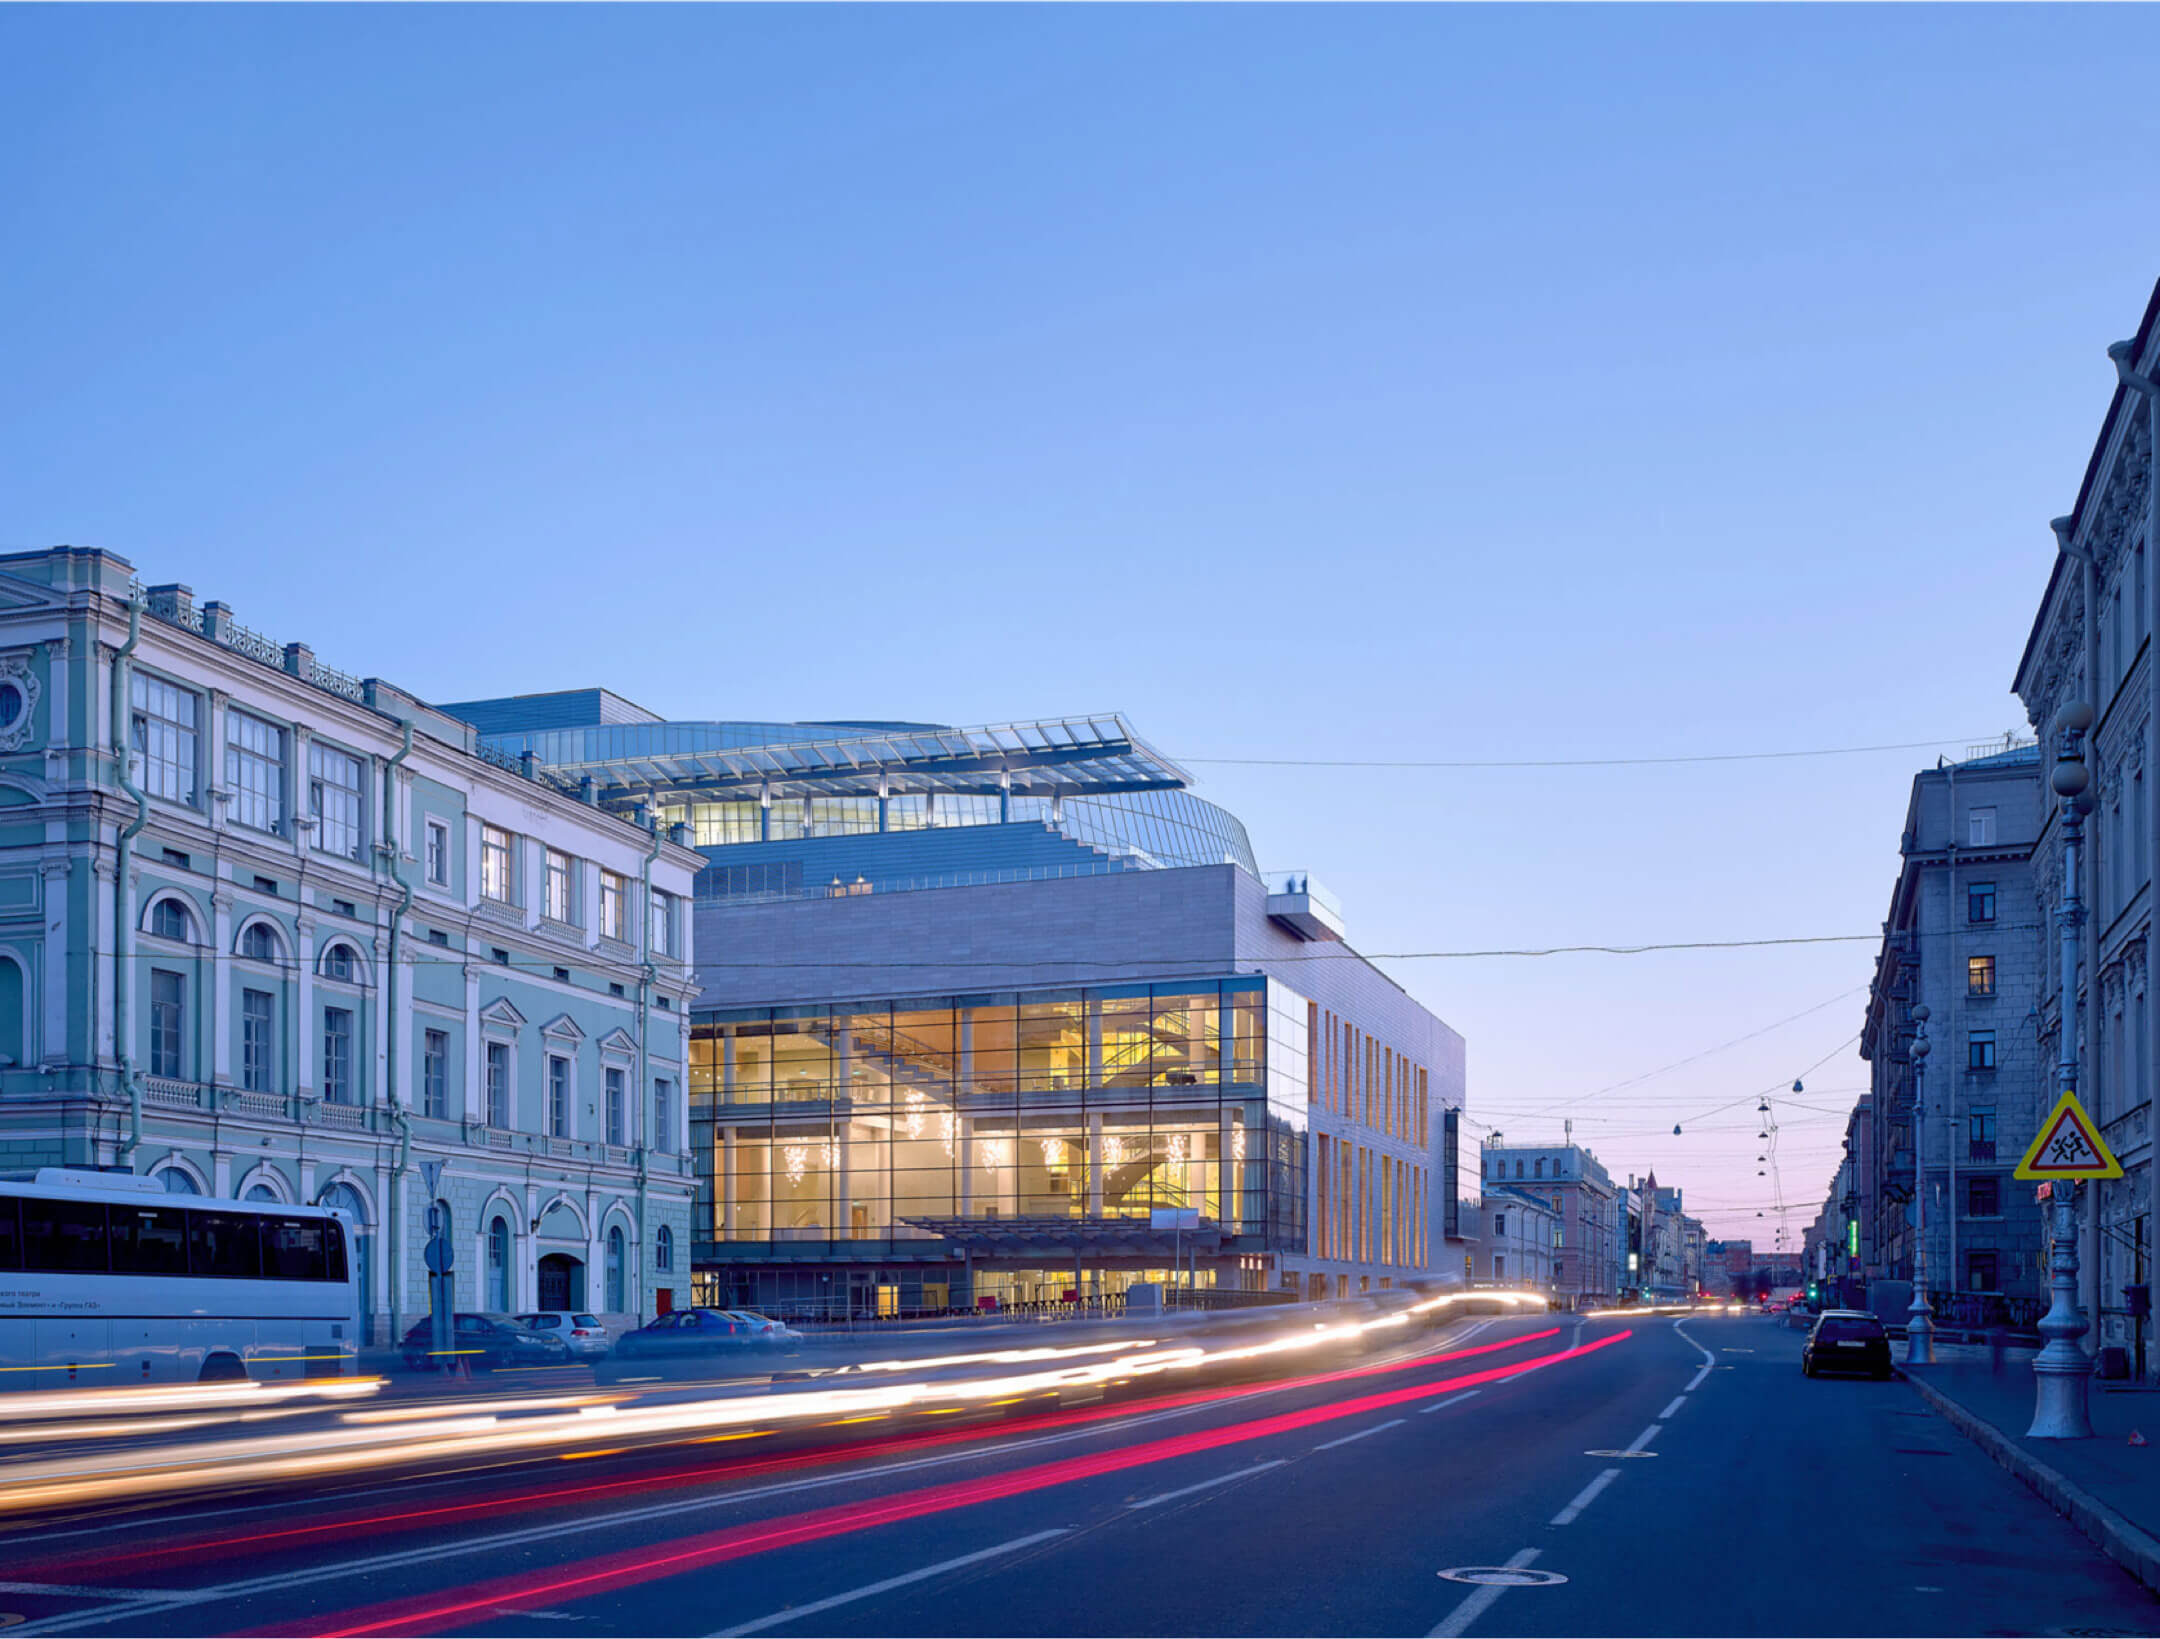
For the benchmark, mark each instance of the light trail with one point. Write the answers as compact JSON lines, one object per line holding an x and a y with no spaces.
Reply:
{"x":377,"y":1439}
{"x":432,"y":1613}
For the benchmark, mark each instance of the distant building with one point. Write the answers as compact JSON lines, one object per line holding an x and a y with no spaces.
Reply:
{"x":1588,"y":1262}
{"x":1963,"y":935}
{"x":1522,"y":1236}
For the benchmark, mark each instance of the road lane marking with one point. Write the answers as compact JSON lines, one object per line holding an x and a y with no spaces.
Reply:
{"x":1220,"y":1479}
{"x":1478,"y":1602}
{"x":1709,"y":1359}
{"x":1392,"y":1422}
{"x":1643,"y":1439}
{"x":1673,"y":1410}
{"x":1451,"y":1400}
{"x":1585,"y":1497}
{"x":873,"y":1589}
{"x":64,"y":1590}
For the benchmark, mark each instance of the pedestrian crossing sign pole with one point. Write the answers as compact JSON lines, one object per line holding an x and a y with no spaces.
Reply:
{"x":2065,"y":1151}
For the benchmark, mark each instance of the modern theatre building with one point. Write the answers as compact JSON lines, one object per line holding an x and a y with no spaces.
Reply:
{"x":1008,"y":1013}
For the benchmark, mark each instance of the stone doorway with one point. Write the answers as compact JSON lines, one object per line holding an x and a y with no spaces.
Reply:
{"x":562,"y":1281}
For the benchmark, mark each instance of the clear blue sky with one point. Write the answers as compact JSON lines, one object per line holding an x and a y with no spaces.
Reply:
{"x":1378,"y":383}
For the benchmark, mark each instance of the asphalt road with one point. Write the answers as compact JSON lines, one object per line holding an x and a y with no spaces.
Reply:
{"x":1647,"y":1476}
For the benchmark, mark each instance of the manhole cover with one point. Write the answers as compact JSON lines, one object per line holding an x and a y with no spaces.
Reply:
{"x":1504,"y":1576}
{"x":1619,"y":1454}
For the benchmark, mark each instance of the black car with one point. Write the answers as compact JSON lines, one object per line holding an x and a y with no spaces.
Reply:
{"x":487,"y":1341}
{"x":1846,"y":1340}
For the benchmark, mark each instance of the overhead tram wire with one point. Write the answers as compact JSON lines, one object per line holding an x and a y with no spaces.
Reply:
{"x":1579,"y":762}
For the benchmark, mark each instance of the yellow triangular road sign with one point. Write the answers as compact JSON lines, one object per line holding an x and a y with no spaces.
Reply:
{"x":2069,"y":1146}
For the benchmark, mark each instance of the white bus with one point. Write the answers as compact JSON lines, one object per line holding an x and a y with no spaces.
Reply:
{"x":106,"y":1279}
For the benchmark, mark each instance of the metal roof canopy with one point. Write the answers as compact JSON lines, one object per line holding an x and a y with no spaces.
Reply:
{"x":1073,"y":756}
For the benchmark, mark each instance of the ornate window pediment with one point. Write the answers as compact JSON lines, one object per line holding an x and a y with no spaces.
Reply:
{"x":562,"y":1029}
{"x":619,"y":1043}
{"x":500,"y":1015}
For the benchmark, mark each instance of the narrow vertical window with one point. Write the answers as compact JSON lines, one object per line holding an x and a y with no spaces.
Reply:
{"x":498,"y":1084}
{"x":615,"y":1111}
{"x":435,"y":1075}
{"x":611,"y":906}
{"x":337,"y":1055}
{"x":558,"y":1078}
{"x":661,"y":927}
{"x":168,"y":998}
{"x":663,"y":1106}
{"x":438,"y":853}
{"x":258,"y":1039}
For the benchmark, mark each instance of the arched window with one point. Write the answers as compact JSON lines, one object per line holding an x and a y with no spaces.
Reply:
{"x":344,"y":1198}
{"x":615,"y":1301}
{"x":1541,"y":1166}
{"x":663,"y":1250}
{"x":337,"y":963}
{"x":259,"y":943}
{"x":498,"y":1266}
{"x":1518,"y":1169}
{"x":169,"y":920}
{"x":177,"y":1182}
{"x":14,"y":1037}
{"x":260,"y":1192}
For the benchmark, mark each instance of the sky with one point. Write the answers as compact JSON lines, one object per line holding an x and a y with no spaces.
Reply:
{"x":1342,"y":385}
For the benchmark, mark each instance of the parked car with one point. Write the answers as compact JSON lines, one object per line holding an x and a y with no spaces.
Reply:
{"x":486,"y":1341}
{"x":585,"y":1337}
{"x":1846,"y":1340}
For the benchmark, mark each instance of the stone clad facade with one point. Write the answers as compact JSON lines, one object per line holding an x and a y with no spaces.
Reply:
{"x":1589,"y":1261}
{"x":2092,"y":640}
{"x":270,"y":930}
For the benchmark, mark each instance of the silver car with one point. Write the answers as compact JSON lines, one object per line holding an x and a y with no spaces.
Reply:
{"x":584,"y":1336}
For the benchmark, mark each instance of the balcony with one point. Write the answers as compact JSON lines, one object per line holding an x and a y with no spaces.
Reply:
{"x":1303,"y":906}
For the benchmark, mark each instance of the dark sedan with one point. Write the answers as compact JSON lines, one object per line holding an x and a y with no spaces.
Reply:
{"x":1846,"y":1340}
{"x":487,"y":1341}
{"x":693,"y":1338}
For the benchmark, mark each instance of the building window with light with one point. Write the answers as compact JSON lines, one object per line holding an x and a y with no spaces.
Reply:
{"x":495,"y":858}
{"x":1980,"y":975}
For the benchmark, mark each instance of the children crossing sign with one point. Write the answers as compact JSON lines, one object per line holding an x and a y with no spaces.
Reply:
{"x":2069,"y":1146}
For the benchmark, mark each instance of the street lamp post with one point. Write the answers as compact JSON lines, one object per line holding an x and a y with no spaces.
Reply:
{"x":1920,"y":1318}
{"x":2061,"y":1371}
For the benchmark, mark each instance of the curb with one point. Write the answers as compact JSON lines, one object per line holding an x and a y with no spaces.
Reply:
{"x":2135,"y":1550}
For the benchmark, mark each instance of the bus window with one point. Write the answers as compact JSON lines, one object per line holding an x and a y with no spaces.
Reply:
{"x":224,"y":1245}
{"x":10,"y":1234}
{"x":149,"y":1240}
{"x":64,"y":1237}
{"x":293,"y":1249}
{"x":334,"y":1240}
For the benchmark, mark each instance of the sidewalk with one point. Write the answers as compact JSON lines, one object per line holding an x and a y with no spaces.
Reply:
{"x":2105,"y":1486}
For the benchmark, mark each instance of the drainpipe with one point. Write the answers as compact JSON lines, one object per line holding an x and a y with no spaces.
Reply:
{"x":399,"y":1115}
{"x":644,"y":1008}
{"x":123,"y":906}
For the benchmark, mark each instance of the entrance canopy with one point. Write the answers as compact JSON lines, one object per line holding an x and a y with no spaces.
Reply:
{"x":1064,"y":1239}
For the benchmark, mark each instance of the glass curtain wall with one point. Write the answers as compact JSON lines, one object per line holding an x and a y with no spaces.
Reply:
{"x":872,"y":1122}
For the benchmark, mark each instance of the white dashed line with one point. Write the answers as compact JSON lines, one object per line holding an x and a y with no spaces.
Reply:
{"x":871,"y":1590}
{"x":1451,"y":1400}
{"x":1673,"y":1410}
{"x":1392,"y":1422}
{"x":1643,"y":1439}
{"x":1585,"y":1497}
{"x":1220,"y":1479}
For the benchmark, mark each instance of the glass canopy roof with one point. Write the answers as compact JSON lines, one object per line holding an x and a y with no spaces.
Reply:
{"x":1057,"y":756}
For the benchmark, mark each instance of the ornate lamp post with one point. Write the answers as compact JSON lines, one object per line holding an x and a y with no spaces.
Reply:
{"x":1920,"y":1318}
{"x":2061,"y":1372}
